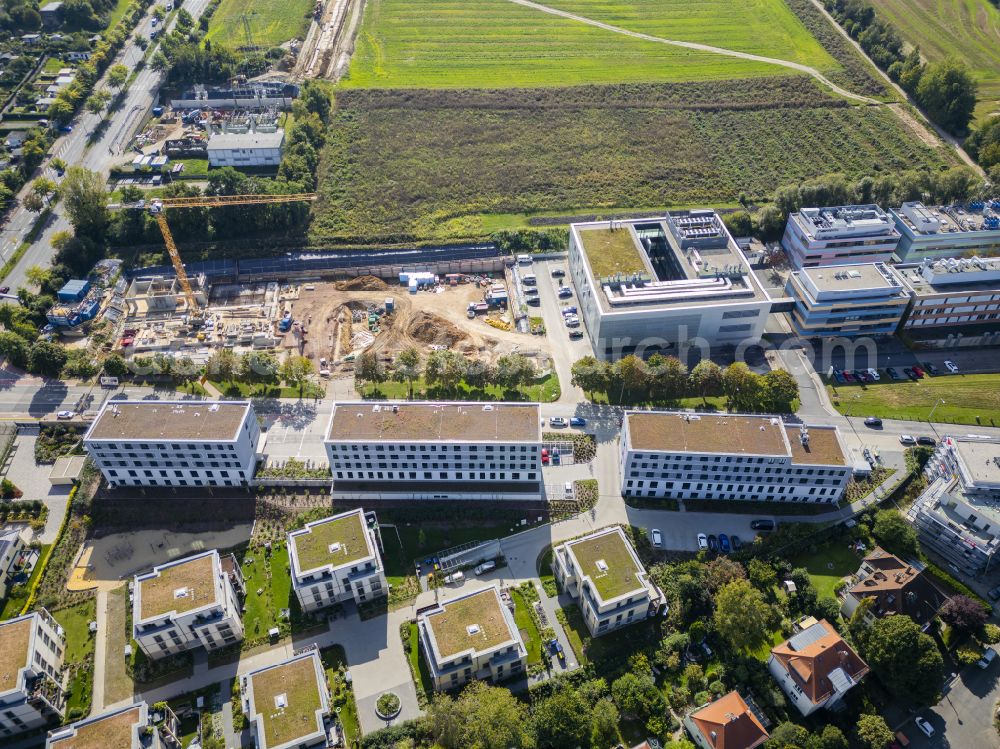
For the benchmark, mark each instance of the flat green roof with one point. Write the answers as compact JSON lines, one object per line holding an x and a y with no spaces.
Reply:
{"x":482,"y":612}
{"x":611,"y":252}
{"x":296,"y":683}
{"x":315,"y":547}
{"x":611,"y":549}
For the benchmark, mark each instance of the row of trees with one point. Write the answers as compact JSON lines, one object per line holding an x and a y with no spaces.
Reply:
{"x":666,"y":379}
{"x":446,"y":369}
{"x":33,"y":152}
{"x":945,"y":90}
{"x":983,"y":144}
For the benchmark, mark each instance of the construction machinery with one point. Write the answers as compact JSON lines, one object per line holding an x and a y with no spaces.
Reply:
{"x":158,"y":208}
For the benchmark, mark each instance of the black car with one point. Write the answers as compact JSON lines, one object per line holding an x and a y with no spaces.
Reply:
{"x":713,"y":543}
{"x":762,"y":525}
{"x":558,"y":273}
{"x":930,"y":368}
{"x":929,"y":441}
{"x":533,"y":301}
{"x":575,"y":335}
{"x":873,"y":421}
{"x":994,"y":595}
{"x":735,"y":541}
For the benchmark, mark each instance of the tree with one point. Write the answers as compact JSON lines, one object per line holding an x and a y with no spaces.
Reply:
{"x":636,"y":696}
{"x":514,"y":370}
{"x":259,"y":366}
{"x":631,"y":372}
{"x":780,"y":390}
{"x":604,"y":719}
{"x":741,"y":387}
{"x":43,"y":187}
{"x":706,"y":379}
{"x":13,"y":348}
{"x":788,"y":736}
{"x":222,"y":365}
{"x":407,"y":368}
{"x":295,"y":370}
{"x":895,"y":534}
{"x":742,"y":616}
{"x":58,"y":164}
{"x":722,"y":571}
{"x":590,"y":374}
{"x":36,"y":275}
{"x":947,"y":92}
{"x":963,"y":614}
{"x":481,"y":716}
{"x":368,"y":369}
{"x":117,"y":76}
{"x":46,"y":359}
{"x":98,"y":100}
{"x":873,"y":732}
{"x":86,"y":199}
{"x":562,"y":720}
{"x":762,"y":576}
{"x":667,"y":377}
{"x":33,"y":203}
{"x":61,"y":240}
{"x":905,"y":659}
{"x":115,"y":366}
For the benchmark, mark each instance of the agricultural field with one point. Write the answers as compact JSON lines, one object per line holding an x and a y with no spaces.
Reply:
{"x":494,"y":43}
{"x":403,"y":166}
{"x":272,"y":23}
{"x":966,"y":29}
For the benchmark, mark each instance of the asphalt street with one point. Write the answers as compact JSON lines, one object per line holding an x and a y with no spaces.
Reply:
{"x":964,"y":718}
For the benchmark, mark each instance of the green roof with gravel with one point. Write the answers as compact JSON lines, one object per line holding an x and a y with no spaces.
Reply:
{"x":338,"y":541}
{"x":608,"y":561}
{"x":611,"y":251}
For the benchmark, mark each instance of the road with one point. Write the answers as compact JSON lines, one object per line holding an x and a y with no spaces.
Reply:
{"x":964,"y":718}
{"x":76,"y":150}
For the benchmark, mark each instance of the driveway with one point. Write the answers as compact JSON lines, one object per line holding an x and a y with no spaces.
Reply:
{"x":564,"y":351}
{"x":964,"y":718}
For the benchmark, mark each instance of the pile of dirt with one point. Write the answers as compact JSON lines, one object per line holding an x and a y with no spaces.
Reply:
{"x":429,"y":328}
{"x":362,"y":283}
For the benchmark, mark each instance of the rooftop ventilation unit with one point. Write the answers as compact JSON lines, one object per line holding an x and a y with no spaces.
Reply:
{"x":602,"y":565}
{"x":473,"y":629}
{"x":335,"y":548}
{"x":182,"y":593}
{"x":281,"y":701}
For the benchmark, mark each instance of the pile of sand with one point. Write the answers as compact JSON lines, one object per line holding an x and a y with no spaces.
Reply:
{"x":427,"y":327}
{"x":362,"y":283}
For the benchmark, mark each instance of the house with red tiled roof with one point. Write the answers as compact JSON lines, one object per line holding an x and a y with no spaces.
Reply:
{"x":893,"y":587}
{"x":815,"y":667}
{"x":727,"y":723}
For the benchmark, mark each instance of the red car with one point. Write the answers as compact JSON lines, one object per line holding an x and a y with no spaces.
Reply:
{"x":918,"y":372}
{"x":849,"y":376}
{"x":545,"y":456}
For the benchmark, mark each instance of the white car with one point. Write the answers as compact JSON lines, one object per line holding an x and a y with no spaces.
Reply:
{"x":952,"y":366}
{"x":906,"y":439}
{"x":702,"y":542}
{"x":485,"y":567}
{"x":874,"y":374}
{"x":64,"y":415}
{"x":657,"y":537}
{"x":558,"y":421}
{"x":924,"y":726}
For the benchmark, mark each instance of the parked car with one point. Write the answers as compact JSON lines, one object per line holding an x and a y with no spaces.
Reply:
{"x":906,"y":439}
{"x":575,"y":335}
{"x":929,"y":441}
{"x":924,"y":726}
{"x":988,"y":657}
{"x":572,"y":321}
{"x":873,"y":421}
{"x":570,"y":310}
{"x":895,"y":373}
{"x":706,"y":649}
{"x":657,"y":537}
{"x":931,"y":368}
{"x":578,"y":421}
{"x":557,"y":650}
{"x":454,"y":577}
{"x":557,"y":421}
{"x":762,"y":525}
{"x":66,"y":129}
{"x":838,"y":375}
{"x":873,"y":373}
{"x":485,"y":567}
{"x":735,"y":541}
{"x":994,"y":595}
{"x":64,"y":415}
{"x":545,"y":456}
{"x":702,"y":542}
{"x":565,"y":292}
{"x":918,"y":371}
{"x":849,"y":376}
{"x":558,"y":273}
{"x":533,"y":301}
{"x":724,"y":543}
{"x":713,"y":543}
{"x":951,"y":366}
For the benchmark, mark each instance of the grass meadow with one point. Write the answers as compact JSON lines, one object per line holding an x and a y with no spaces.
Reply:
{"x":966,"y":29}
{"x":496,"y":43}
{"x":412,"y":165}
{"x":271,"y":23}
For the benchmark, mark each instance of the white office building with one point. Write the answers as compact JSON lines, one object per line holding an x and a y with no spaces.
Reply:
{"x":473,"y":636}
{"x":175,"y":443}
{"x":680,"y":455}
{"x":603,"y":572}
{"x":839,"y":235}
{"x":935,"y":232}
{"x":130,"y":727}
{"x":287,"y":703}
{"x":32,"y":648}
{"x":435,"y":450}
{"x":958,"y":515}
{"x":250,"y":149}
{"x":652,"y":285}
{"x":337,"y":559}
{"x":189,"y":603}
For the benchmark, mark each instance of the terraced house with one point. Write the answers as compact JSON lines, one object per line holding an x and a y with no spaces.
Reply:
{"x":287,"y":703}
{"x":32,"y":647}
{"x":435,"y":450}
{"x":337,"y":559}
{"x":186,"y":604}
{"x":131,"y":727}
{"x":679,"y":455}
{"x":471,"y":637}
{"x":603,"y":571}
{"x":175,"y":443}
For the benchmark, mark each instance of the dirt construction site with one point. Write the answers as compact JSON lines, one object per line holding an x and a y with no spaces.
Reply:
{"x":336,"y":321}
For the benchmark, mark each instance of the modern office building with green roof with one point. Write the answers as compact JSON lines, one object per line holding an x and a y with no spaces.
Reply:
{"x":604,"y":573}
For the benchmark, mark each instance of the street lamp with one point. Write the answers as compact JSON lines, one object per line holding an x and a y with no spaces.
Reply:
{"x":931,"y":415}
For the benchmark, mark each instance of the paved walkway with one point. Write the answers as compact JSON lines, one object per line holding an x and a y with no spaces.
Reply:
{"x":100,"y":651}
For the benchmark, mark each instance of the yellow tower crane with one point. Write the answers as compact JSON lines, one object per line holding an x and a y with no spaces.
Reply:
{"x":159,"y":207}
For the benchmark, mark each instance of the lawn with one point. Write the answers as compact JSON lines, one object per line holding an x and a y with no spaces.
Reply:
{"x":545,"y":390}
{"x":117,"y":13}
{"x":583,"y":151}
{"x":526,"y":626}
{"x":15,"y":602}
{"x":237,"y":389}
{"x":968,"y":399}
{"x":417,"y":664}
{"x":269,"y":589}
{"x":611,"y":252}
{"x":966,"y":29}
{"x":79,"y":656}
{"x":117,"y":684}
{"x":271,"y":23}
{"x":610,"y":651}
{"x":334,"y":659}
{"x":828,"y":566}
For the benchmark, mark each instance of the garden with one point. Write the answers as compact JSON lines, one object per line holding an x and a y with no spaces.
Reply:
{"x":335,"y":664}
{"x":58,"y":440}
{"x":79,"y":655}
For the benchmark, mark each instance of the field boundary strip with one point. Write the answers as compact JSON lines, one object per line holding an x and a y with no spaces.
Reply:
{"x":822,"y":79}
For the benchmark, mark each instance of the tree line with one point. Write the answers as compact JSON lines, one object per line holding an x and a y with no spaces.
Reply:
{"x":446,"y":369}
{"x":667,"y":379}
{"x":983,"y":144}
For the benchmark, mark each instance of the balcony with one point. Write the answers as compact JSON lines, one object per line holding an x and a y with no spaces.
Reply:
{"x":45,"y":694}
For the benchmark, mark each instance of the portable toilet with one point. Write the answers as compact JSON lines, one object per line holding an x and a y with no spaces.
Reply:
{"x":413,"y":286}
{"x":390,"y":304}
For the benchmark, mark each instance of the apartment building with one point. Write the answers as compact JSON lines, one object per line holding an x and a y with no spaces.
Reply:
{"x":893,"y":587}
{"x":32,"y":648}
{"x":130,"y":727}
{"x":654,"y":285}
{"x":254,"y":148}
{"x":815,"y":668}
{"x":947,"y":231}
{"x":839,"y":235}
{"x":958,"y":515}
{"x":471,"y":637}
{"x":12,"y":555}
{"x":188,"y":603}
{"x":337,"y":559}
{"x":680,"y":455}
{"x":287,"y":703}
{"x":604,"y":573}
{"x":175,"y":443}
{"x":953,"y":298}
{"x":435,"y":450}
{"x":847,"y":300}
{"x":726,"y":723}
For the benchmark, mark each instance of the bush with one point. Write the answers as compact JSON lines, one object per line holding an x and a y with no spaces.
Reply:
{"x":968,"y":655}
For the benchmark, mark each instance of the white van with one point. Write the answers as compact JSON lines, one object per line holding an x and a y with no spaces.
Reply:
{"x":524,"y":260}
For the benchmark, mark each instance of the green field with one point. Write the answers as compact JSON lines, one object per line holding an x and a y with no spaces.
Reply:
{"x":409,"y":165}
{"x":492,"y":43}
{"x":966,"y":29}
{"x":968,"y":399}
{"x":271,"y":23}
{"x":828,"y":566}
{"x":76,"y":620}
